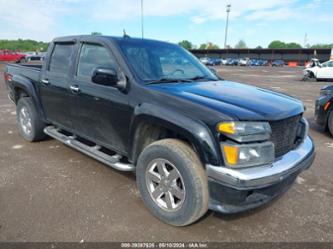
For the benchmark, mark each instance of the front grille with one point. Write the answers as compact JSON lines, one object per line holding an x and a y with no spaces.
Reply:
{"x":285,"y":134}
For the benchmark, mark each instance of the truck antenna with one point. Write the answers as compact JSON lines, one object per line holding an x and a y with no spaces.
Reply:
{"x":125,"y":35}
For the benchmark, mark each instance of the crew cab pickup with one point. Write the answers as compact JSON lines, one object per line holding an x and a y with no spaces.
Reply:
{"x":195,"y":141}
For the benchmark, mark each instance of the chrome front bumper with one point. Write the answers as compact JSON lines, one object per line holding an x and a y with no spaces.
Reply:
{"x":259,"y":177}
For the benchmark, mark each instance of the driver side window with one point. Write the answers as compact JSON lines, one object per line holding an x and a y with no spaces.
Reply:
{"x":93,"y":56}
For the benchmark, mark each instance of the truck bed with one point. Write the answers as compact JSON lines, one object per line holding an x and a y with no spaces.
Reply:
{"x":30,"y":71}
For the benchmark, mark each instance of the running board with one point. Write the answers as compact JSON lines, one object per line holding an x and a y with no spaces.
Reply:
{"x":92,"y":151}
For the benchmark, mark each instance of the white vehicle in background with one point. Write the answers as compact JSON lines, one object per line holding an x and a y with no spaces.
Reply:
{"x":244,"y":62}
{"x":313,"y":63}
{"x":320,"y":71}
{"x":204,"y":60}
{"x":223,"y":61}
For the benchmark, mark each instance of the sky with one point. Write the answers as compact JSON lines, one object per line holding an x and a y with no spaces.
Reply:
{"x":257,"y":22}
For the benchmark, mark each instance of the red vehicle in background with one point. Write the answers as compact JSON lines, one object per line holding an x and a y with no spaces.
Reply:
{"x":8,"y":55}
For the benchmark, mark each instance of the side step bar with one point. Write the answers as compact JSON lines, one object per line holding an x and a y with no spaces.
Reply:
{"x":92,"y":151}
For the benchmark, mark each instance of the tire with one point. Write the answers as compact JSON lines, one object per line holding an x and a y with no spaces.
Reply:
{"x":330,"y":123}
{"x":21,"y":61}
{"x":191,"y":182}
{"x":29,"y":123}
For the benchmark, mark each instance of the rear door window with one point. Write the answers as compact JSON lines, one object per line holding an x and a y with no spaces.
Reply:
{"x":61,"y":58}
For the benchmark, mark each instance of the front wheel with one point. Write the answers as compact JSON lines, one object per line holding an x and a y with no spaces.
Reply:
{"x":172,"y":182}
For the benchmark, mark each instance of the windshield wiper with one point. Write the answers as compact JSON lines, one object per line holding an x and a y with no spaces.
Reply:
{"x":202,"y":77}
{"x":167,"y":80}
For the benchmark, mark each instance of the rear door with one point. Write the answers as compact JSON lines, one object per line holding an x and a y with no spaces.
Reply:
{"x":54,"y":88}
{"x":101,"y":112}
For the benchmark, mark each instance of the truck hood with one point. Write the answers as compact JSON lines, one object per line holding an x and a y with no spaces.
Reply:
{"x":236,"y":100}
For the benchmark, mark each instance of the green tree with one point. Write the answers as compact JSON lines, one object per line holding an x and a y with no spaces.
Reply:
{"x":186,"y":44}
{"x":211,"y":45}
{"x":293,"y":45}
{"x":241,"y":44}
{"x":281,"y":44}
{"x":277,"y":44}
{"x":259,"y":47}
{"x":203,"y":46}
{"x":96,"y":33}
{"x":322,"y":45}
{"x":23,"y":45}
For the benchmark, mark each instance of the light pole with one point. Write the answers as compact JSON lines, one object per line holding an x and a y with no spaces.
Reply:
{"x":226,"y":25}
{"x":142,"y":28}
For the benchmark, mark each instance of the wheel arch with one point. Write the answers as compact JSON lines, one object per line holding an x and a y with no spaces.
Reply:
{"x":148,"y":125}
{"x":23,"y":87}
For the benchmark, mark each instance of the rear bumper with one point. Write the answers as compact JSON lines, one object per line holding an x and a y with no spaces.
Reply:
{"x":234,"y":190}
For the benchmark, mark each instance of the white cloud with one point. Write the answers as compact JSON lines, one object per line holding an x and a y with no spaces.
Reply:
{"x":273,"y":15}
{"x":201,"y":10}
{"x":36,"y":19}
{"x":44,"y":19}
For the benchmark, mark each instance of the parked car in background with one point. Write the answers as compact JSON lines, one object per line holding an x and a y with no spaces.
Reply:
{"x":13,"y":56}
{"x":214,"y":62}
{"x":263,"y":63}
{"x":232,"y":62}
{"x":324,"y":108}
{"x":278,"y":63}
{"x":253,"y":62}
{"x":322,"y":71}
{"x":34,"y":56}
{"x":244,"y":62}
{"x":314,"y":62}
{"x":204,"y":60}
{"x":223,"y":61}
{"x":210,"y":61}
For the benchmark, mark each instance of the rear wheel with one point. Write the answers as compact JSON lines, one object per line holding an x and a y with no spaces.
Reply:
{"x":330,"y":123}
{"x":30,"y":124}
{"x":22,"y":60}
{"x":172,"y":182}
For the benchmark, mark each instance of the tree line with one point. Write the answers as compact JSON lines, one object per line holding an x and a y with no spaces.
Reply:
{"x":32,"y":45}
{"x":23,"y":45}
{"x":276,"y":44}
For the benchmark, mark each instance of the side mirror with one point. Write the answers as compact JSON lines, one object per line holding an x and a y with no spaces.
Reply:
{"x":105,"y":76}
{"x":214,"y":71}
{"x":109,"y":77}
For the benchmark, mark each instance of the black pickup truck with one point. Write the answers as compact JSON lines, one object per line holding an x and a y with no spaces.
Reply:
{"x":195,"y":141}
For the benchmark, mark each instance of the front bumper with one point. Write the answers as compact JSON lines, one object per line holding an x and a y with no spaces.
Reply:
{"x":236,"y":190}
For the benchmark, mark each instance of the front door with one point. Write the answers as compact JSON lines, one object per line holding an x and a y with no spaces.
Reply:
{"x":101,"y":112}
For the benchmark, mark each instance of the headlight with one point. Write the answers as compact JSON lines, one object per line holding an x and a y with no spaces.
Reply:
{"x":245,"y":131}
{"x":248,"y":155}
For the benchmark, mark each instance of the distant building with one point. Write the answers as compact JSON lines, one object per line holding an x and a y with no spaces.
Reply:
{"x":301,"y":56}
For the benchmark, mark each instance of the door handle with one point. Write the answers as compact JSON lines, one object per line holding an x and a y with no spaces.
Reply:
{"x":45,"y":82}
{"x":75,"y":89}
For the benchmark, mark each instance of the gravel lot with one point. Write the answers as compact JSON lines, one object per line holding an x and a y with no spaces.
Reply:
{"x":49,"y":192}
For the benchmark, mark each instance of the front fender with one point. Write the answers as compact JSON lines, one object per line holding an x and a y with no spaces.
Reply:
{"x":195,"y":131}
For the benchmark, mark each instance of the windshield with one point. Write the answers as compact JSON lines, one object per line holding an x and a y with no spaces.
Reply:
{"x":154,"y":61}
